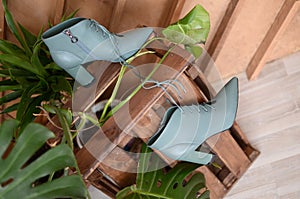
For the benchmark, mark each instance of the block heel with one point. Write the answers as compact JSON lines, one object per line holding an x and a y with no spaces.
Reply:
{"x":82,"y":76}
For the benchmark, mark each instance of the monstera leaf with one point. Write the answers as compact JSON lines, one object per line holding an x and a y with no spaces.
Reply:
{"x":160,"y":184}
{"x":21,"y":178}
{"x":190,"y":30}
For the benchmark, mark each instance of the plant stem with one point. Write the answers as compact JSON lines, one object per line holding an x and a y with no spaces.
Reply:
{"x":114,"y":93}
{"x":64,"y":124}
{"x":116,"y":108}
{"x":104,"y":117}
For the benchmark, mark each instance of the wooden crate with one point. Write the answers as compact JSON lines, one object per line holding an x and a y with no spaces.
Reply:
{"x":234,"y":152}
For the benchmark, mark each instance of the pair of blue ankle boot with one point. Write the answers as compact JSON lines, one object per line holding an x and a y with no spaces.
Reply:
{"x":78,"y":41}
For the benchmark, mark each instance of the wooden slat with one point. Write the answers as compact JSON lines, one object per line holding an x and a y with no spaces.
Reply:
{"x":98,"y":180}
{"x":138,"y":107}
{"x":2,"y":23}
{"x":101,"y":144}
{"x":243,"y":142}
{"x":199,"y":78}
{"x":221,"y":34}
{"x":105,"y":74}
{"x":229,"y":152}
{"x":214,"y":185}
{"x":117,"y":15}
{"x":219,"y":38}
{"x":283,"y":18}
{"x":174,"y":12}
{"x":59,"y":11}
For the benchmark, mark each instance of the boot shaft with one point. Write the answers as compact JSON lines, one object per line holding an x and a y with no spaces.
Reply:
{"x":67,"y":35}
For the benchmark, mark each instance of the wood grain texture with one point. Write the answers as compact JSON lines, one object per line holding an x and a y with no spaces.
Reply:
{"x":118,"y":128}
{"x":272,"y":126}
{"x":224,"y":145}
{"x":217,"y":189}
{"x":175,"y":10}
{"x":59,"y":11}
{"x":117,"y":14}
{"x":282,"y":20}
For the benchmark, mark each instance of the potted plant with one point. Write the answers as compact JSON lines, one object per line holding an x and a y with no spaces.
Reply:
{"x":26,"y":172}
{"x":29,"y":75}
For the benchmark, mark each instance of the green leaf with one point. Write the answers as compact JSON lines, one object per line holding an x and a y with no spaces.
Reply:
{"x":24,"y":176}
{"x":30,"y":39}
{"x":191,"y":29}
{"x":11,"y":96}
{"x":158,"y":184}
{"x":10,"y":48}
{"x":13,"y":73}
{"x":205,"y":195}
{"x":65,"y":125}
{"x":59,"y":83}
{"x":13,"y":28}
{"x":49,"y":108}
{"x":10,"y":87}
{"x":25,"y":107}
{"x":53,"y":66}
{"x":69,"y":16}
{"x":35,"y":60}
{"x":194,"y":50}
{"x":11,"y":108}
{"x":31,"y":109}
{"x":68,"y":115}
{"x":7,"y":82}
{"x":20,"y":63}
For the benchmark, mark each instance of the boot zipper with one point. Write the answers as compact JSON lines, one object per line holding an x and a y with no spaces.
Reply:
{"x":73,"y":38}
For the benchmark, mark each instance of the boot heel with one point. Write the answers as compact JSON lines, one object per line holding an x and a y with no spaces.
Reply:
{"x":197,"y":157}
{"x":81,"y":75}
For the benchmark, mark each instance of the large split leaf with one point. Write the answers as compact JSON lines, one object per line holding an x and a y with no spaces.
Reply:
{"x":19,"y":178}
{"x":158,"y":184}
{"x":190,"y":30}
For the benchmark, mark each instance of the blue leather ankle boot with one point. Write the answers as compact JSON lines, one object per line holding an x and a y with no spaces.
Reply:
{"x":77,"y":41}
{"x":184,"y":129}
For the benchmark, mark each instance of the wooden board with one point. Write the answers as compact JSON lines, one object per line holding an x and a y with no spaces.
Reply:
{"x":281,"y":22}
{"x":112,"y":133}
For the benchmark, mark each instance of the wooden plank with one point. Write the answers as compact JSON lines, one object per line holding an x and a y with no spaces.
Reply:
{"x":117,"y":15}
{"x":200,"y":80}
{"x":219,"y":38}
{"x":174,"y":12}
{"x":214,"y":185}
{"x":283,"y":18}
{"x":221,"y":34}
{"x":2,"y":23}
{"x":98,"y":180}
{"x":59,"y":10}
{"x":110,"y":159}
{"x":243,"y":142}
{"x":105,"y":74}
{"x":112,"y":132}
{"x":229,"y":152}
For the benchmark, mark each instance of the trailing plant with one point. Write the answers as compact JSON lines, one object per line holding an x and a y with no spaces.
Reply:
{"x":190,"y":31}
{"x":29,"y":74}
{"x":23,"y":175}
{"x":165,"y":183}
